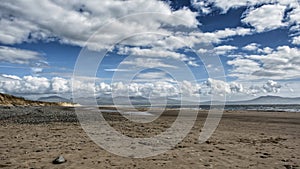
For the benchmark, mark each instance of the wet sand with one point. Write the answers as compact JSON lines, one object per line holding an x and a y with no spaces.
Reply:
{"x":31,"y":137}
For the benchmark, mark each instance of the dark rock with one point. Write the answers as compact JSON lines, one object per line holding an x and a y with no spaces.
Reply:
{"x":285,"y":160}
{"x":288,"y":166}
{"x":221,"y":149}
{"x":59,"y":160}
{"x":38,"y":150}
{"x":208,"y":142}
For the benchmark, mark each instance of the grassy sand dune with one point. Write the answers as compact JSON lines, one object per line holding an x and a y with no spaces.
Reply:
{"x":10,"y":100}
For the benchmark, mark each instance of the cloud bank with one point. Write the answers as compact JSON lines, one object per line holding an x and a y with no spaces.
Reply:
{"x":159,"y":88}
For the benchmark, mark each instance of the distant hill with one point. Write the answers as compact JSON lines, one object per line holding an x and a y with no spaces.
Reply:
{"x":10,"y":100}
{"x":139,"y":100}
{"x":136,"y":100}
{"x":269,"y":100}
{"x":262,"y":100}
{"x":54,"y":99}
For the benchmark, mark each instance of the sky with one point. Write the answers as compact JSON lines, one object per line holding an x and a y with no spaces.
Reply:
{"x":239,"y":49}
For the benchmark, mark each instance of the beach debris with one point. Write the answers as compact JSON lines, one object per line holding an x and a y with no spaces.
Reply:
{"x":59,"y":160}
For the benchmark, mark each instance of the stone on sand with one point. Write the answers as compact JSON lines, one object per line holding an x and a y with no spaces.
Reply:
{"x":59,"y":160}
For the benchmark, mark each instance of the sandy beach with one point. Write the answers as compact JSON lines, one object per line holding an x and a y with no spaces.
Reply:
{"x":32,"y":137}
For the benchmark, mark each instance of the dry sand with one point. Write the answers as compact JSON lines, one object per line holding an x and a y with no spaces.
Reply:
{"x":33,"y":137}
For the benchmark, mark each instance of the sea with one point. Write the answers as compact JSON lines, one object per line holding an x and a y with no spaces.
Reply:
{"x":265,"y":107}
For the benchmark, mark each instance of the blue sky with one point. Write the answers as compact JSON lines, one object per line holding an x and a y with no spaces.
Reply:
{"x":257,"y":43}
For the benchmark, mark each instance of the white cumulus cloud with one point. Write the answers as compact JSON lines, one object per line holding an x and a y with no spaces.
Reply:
{"x":266,"y":17}
{"x":87,"y":16}
{"x":221,"y":50}
{"x":296,"y":40}
{"x":272,"y":86}
{"x":18,"y":56}
{"x":279,"y":64}
{"x":251,"y":47}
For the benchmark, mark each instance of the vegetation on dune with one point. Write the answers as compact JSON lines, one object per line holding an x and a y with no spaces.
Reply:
{"x":10,"y":100}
